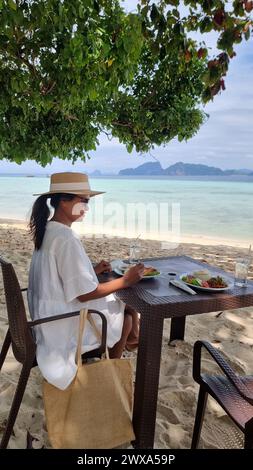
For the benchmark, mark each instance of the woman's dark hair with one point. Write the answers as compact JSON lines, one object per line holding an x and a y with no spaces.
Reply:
{"x":40,"y":214}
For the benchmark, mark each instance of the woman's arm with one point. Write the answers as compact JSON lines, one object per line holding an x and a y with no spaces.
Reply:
{"x":131,"y":277}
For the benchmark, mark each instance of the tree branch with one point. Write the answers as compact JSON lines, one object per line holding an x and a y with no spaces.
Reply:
{"x":148,"y":98}
{"x":123,"y":124}
{"x":46,"y":89}
{"x":51,"y":88}
{"x":71,"y":117}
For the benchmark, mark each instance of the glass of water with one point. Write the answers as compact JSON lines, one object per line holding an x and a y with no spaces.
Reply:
{"x":241,"y":272}
{"x":134,"y":252}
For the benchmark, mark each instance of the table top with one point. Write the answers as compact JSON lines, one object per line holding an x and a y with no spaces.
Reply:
{"x":176,"y":302}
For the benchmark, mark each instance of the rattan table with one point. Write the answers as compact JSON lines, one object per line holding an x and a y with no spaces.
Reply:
{"x":154,"y":309}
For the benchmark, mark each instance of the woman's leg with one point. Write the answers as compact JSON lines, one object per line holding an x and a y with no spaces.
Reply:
{"x":116,"y":351}
{"x":130,"y":334}
{"x":133,"y":338}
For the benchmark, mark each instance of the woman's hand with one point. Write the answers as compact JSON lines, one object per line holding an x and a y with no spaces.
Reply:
{"x":133,"y":275}
{"x":105,"y":288}
{"x":102,"y":267}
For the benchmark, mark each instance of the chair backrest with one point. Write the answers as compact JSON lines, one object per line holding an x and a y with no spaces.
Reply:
{"x":23,"y":344}
{"x":21,"y":337}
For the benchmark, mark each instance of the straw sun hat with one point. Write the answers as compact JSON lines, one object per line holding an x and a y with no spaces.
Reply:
{"x":70,"y":183}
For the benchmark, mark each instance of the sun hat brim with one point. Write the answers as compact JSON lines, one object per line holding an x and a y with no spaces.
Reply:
{"x":87,"y":192}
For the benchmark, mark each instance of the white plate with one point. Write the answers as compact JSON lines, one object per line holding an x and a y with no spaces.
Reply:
{"x":208,"y":289}
{"x":121,"y":273}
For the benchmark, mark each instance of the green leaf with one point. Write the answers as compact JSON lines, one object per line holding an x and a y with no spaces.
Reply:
{"x":172,"y":2}
{"x":81,"y":11}
{"x":155,"y":15}
{"x":12,"y":4}
{"x":247,"y":35}
{"x":93,"y":94}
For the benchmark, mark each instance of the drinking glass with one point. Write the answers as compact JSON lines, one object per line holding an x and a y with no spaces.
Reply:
{"x":241,"y":272}
{"x":134,"y":252}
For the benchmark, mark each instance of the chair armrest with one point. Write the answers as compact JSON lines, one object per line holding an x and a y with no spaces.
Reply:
{"x":74,"y":314}
{"x":53,"y":318}
{"x":224,"y":366}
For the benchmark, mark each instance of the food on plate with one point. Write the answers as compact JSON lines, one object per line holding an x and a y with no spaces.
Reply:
{"x":213,"y":282}
{"x":203,"y":274}
{"x":149,"y":271}
{"x":217,"y":282}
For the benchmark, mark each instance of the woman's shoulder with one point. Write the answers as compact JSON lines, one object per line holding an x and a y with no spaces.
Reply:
{"x":59,"y":229}
{"x":57,"y":232}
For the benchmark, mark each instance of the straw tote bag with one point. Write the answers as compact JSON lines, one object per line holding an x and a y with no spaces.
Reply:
{"x":95,"y":411}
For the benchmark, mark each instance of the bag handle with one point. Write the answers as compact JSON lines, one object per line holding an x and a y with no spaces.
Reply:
{"x":97,"y":332}
{"x":82,"y":322}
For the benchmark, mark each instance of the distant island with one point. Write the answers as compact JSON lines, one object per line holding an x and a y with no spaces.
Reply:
{"x":177,"y":170}
{"x":180,"y":169}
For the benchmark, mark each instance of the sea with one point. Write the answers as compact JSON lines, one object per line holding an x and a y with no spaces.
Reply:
{"x":164,"y":208}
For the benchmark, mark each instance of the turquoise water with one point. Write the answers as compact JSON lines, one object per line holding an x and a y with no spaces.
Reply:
{"x":222,"y":209}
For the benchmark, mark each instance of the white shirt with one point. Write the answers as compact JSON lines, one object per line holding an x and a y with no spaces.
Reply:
{"x":61,"y":271}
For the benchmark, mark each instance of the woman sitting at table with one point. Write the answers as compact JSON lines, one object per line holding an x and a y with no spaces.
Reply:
{"x":62,"y":279}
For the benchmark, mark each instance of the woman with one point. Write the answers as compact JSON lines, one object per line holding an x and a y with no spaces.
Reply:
{"x":62,"y":279}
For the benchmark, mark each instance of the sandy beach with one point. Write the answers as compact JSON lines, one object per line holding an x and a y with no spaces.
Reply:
{"x":231,"y":332}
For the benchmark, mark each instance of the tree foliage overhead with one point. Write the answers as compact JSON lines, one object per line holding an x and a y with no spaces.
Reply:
{"x":71,"y":69}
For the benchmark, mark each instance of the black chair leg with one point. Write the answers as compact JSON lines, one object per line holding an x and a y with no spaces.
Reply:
{"x":5,"y":348}
{"x":248,"y":437}
{"x":25,"y":372}
{"x":201,"y":406}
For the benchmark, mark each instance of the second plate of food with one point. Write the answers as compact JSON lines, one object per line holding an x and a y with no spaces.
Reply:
{"x":206,"y":281}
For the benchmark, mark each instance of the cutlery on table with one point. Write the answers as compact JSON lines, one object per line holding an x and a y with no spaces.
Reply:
{"x":182,"y":286}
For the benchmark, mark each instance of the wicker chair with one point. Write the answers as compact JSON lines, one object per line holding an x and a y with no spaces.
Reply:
{"x":20,"y":336}
{"x":233,"y":393}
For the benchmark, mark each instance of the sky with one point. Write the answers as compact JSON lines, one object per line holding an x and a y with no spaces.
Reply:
{"x":224,"y":141}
